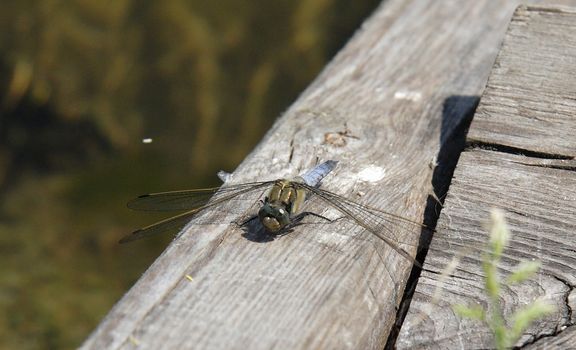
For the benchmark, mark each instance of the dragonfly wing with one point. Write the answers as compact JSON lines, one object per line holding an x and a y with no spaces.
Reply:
{"x":382,"y":215}
{"x":189,"y":199}
{"x":219,"y":199}
{"x":173,"y":223}
{"x":384,"y":225}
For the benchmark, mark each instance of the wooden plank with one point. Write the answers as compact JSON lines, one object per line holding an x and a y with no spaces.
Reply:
{"x":537,"y":191}
{"x":400,"y":87}
{"x":540,"y":198}
{"x":530,"y":96}
{"x":566,"y":339}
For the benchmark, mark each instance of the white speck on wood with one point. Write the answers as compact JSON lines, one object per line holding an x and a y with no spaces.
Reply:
{"x":413,"y":96}
{"x":372,"y":173}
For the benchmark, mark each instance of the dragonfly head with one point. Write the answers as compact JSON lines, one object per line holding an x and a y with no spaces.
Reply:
{"x":274,"y":216}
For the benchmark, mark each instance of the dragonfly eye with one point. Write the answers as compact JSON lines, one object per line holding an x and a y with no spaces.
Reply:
{"x":271,"y":224}
{"x":273,"y":217}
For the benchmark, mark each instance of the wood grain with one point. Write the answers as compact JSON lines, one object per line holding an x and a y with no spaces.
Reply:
{"x":528,"y":108}
{"x":401,"y":87}
{"x":540,"y":201}
{"x":530,"y":100}
{"x":565,"y":339}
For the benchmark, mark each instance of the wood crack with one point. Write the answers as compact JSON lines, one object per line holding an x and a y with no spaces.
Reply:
{"x":514,"y":150}
{"x":566,"y":296}
{"x":569,"y":167}
{"x":564,"y":326}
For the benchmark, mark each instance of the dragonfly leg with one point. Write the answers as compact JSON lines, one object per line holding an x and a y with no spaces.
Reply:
{"x":297,"y":220}
{"x":245,"y":221}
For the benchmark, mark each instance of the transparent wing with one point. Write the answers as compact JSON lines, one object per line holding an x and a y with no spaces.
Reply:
{"x":382,"y":224}
{"x":197,"y":201}
{"x":189,"y":199}
{"x":173,"y":223}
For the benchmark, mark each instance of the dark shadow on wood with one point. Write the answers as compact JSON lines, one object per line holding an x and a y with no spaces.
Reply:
{"x":255,"y":232}
{"x":457,"y":115}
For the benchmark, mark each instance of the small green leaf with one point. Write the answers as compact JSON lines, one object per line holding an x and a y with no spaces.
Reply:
{"x":526,"y":315}
{"x":523,"y":271}
{"x":499,"y":233}
{"x":492,"y":316}
{"x":491,"y":281}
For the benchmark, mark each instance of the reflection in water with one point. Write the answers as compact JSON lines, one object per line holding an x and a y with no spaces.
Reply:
{"x":83,"y":85}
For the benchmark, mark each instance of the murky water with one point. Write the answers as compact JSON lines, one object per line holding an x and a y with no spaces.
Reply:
{"x":102,"y":101}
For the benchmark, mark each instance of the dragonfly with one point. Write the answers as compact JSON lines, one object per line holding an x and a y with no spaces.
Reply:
{"x":280,"y":210}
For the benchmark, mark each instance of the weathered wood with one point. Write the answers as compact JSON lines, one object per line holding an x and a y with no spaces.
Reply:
{"x":540,"y":199}
{"x":399,"y":87}
{"x":529,"y":102}
{"x":529,"y":107}
{"x":565,"y":339}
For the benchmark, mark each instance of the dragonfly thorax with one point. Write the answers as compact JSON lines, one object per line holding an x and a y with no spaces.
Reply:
{"x":282,"y":202}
